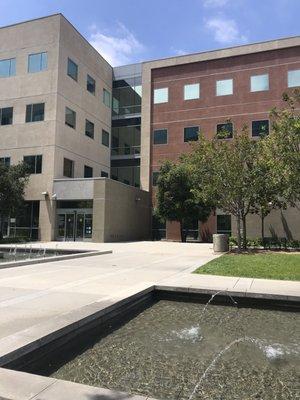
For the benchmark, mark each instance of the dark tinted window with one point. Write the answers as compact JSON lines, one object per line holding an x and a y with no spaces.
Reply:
{"x":35,"y":112}
{"x":6,"y":116}
{"x":5,"y":161}
{"x":224,"y":224}
{"x":160,"y":136}
{"x":72,"y":69}
{"x":90,"y":84}
{"x":225,"y":131}
{"x":89,"y":129}
{"x":104,"y":174}
{"x":191,"y":133}
{"x":105,"y":138}
{"x":155,"y":176}
{"x":260,"y":128}
{"x":88,"y":171}
{"x":34,"y":164}
{"x":70,"y":118}
{"x":68,"y":168}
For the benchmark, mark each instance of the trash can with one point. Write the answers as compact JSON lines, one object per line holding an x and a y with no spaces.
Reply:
{"x":220,"y":242}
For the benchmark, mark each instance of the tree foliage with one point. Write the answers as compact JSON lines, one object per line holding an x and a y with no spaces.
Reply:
{"x":176,"y":200}
{"x":13,"y":180}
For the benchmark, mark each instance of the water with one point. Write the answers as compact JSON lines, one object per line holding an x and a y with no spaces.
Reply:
{"x":15,"y":253}
{"x":166,"y":351}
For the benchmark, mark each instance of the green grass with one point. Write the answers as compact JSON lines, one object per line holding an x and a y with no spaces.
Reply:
{"x":256,"y":265}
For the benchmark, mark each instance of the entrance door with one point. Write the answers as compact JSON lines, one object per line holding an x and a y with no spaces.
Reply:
{"x":70,"y":226}
{"x":79,"y":226}
{"x":61,"y":226}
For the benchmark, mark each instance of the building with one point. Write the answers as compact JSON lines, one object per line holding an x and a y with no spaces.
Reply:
{"x":77,"y":122}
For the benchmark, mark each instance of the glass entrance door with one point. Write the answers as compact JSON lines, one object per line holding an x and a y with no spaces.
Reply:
{"x":70,"y":226}
{"x":74,"y":225}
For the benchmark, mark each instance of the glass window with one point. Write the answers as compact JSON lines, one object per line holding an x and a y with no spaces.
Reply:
{"x":34,"y":164}
{"x":161,"y":95}
{"x":155,"y":175}
{"x":192,"y":91}
{"x":35,"y":112}
{"x":104,"y":174}
{"x":224,"y":87}
{"x":72,"y":69}
{"x":89,"y":129}
{"x":105,"y":138}
{"x":260,"y":128}
{"x":191,"y":133}
{"x":294,"y":78}
{"x":160,"y":136}
{"x":70,"y":118}
{"x":225,"y":131}
{"x":68,"y":168}
{"x":106,"y":97}
{"x":224,"y":224}
{"x":88,"y":171}
{"x":7,"y":68}
{"x":37,"y":62}
{"x":6,"y":116}
{"x":90,"y":84}
{"x":127,"y":96}
{"x":259,"y":83}
{"x":5,"y":161}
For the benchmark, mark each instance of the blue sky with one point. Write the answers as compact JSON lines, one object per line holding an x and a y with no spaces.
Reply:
{"x":127,"y":31}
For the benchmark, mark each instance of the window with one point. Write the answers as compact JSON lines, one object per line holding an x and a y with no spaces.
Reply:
{"x":160,"y":136}
{"x":72,"y":69}
{"x":90,"y":84}
{"x":224,"y":87}
{"x":89,"y":129}
{"x":5,"y":161}
{"x":294,"y":78}
{"x":225,"y":131}
{"x":35,"y":112}
{"x":88,"y":171}
{"x":105,"y":138}
{"x":34,"y":164}
{"x":104,"y":174}
{"x":155,"y":175}
{"x":7,"y":68}
{"x":259,"y":83}
{"x":68,"y":168}
{"x":192,"y":91}
{"x":70,"y":118}
{"x":106,"y":97}
{"x":224,"y":224}
{"x":260,"y":128}
{"x":191,"y":133}
{"x":161,"y":95}
{"x":6,"y":116}
{"x":127,"y":96}
{"x":37,"y":62}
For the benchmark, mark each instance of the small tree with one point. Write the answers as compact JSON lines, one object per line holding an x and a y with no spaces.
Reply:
{"x":176,"y":200}
{"x":13,"y":180}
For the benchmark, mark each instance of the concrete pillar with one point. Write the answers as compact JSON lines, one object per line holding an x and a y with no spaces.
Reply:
{"x":47,"y":219}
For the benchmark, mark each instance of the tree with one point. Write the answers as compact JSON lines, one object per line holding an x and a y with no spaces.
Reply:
{"x":175,"y":198}
{"x":13,"y":180}
{"x":224,"y":175}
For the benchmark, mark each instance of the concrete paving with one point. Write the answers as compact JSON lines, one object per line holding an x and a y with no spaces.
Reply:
{"x":36,"y":300}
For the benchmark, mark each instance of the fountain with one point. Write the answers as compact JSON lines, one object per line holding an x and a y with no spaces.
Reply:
{"x":235,"y":303}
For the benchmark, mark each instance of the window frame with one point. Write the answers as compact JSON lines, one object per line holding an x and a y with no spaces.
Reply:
{"x":259,"y":120}
{"x":225,"y":138}
{"x":35,"y":163}
{"x":74,"y":113}
{"x":108,"y":134}
{"x":72,"y":167}
{"x":40,"y":62}
{"x":223,"y":80}
{"x":288,"y":78}
{"x":32,"y":105}
{"x":88,"y":76}
{"x":260,"y":90}
{"x":70,"y":61}
{"x":10,"y":67}
{"x":191,"y":98}
{"x":4,"y":160}
{"x":88,"y":168}
{"x":104,"y":174}
{"x":106,"y":97}
{"x":92,"y":135}
{"x":191,"y":140}
{"x":1,"y":115}
{"x":159,"y":130}
{"x":154,"y":180}
{"x":167,"y":98}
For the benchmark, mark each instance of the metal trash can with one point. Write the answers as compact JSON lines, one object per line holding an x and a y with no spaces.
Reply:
{"x":220,"y":242}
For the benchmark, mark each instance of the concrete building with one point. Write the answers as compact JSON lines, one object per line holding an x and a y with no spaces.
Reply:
{"x":77,"y":122}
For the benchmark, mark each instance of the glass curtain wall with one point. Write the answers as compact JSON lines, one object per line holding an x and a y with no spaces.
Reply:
{"x":127,"y":96}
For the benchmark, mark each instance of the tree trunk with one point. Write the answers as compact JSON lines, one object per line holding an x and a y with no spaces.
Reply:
{"x":244,"y":232}
{"x":182,"y":233}
{"x":238,"y":232}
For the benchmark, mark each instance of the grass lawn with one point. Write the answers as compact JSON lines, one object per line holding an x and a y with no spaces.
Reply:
{"x":257,"y":265}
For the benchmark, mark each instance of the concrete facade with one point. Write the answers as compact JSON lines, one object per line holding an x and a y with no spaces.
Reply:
{"x":53,"y":139}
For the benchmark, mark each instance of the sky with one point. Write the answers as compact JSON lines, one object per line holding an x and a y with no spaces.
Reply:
{"x":129,"y":31}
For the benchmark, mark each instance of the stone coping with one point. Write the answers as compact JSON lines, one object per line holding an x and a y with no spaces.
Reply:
{"x":80,"y":254}
{"x":23,"y":386}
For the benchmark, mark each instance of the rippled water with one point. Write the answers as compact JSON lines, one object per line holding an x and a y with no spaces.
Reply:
{"x":164,"y":351}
